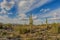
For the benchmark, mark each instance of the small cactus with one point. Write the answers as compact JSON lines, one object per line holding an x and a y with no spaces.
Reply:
{"x":46,"y":22}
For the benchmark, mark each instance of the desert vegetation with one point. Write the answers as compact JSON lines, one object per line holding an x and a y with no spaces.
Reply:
{"x":30,"y":32}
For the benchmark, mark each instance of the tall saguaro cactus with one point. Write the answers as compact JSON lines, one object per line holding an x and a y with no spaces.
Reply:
{"x":30,"y":22}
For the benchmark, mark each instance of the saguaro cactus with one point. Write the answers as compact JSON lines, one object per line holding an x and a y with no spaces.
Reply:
{"x":46,"y":22}
{"x":30,"y":22}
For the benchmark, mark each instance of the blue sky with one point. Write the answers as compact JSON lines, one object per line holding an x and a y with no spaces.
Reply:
{"x":14,"y":11}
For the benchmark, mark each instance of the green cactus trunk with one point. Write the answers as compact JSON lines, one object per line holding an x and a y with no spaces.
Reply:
{"x":31,"y":22}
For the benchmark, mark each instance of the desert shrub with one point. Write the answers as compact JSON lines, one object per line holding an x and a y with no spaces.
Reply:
{"x":59,"y":30}
{"x":13,"y":38}
{"x":1,"y":27}
{"x":4,"y":33}
{"x":29,"y":39}
{"x":24,"y":30}
{"x":35,"y":39}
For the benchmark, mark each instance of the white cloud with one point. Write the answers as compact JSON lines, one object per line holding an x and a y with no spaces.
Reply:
{"x":10,"y":13}
{"x":21,"y":3}
{"x":6,"y":5}
{"x":45,"y":10}
{"x":34,"y":17}
{"x":55,"y":14}
{"x":27,"y":5}
{"x":40,"y":3}
{"x":38,"y":22}
{"x":3,"y":12}
{"x":22,"y":15}
{"x":3,"y":4}
{"x":6,"y":19}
